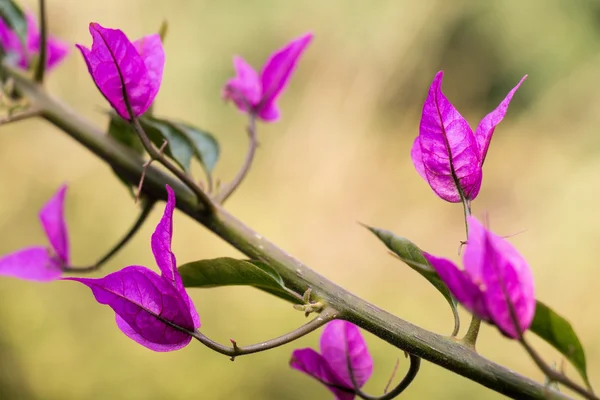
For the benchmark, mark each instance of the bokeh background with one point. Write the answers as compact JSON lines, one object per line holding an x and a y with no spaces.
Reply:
{"x":339,"y":155}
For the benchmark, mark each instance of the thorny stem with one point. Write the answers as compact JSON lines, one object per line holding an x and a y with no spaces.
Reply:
{"x":297,"y":276}
{"x":181,"y":175}
{"x":228,"y":189}
{"x":147,"y":206}
{"x":328,"y":314}
{"x":40,"y":68}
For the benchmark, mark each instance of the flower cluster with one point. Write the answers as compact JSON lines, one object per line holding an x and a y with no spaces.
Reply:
{"x":447,"y":154}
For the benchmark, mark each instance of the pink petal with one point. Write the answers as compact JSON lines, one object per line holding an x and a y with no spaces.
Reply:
{"x":32,"y":264}
{"x":132,"y":334}
{"x":142,"y":299}
{"x":277,"y":72}
{"x":343,"y":347}
{"x":460,"y":285}
{"x":473,"y":255}
{"x":508,"y":283}
{"x":116,"y":67}
{"x":12,"y":46}
{"x":52,"y":217}
{"x":485,"y":130}
{"x":165,"y":259}
{"x":417,"y":157}
{"x":312,"y":363}
{"x":448,"y":146}
{"x":151,"y":50}
{"x":244,"y":89}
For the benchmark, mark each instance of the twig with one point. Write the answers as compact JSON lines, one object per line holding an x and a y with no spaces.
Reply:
{"x":40,"y":68}
{"x":553,"y":375}
{"x":228,"y":189}
{"x":155,"y":154}
{"x":145,"y":168}
{"x":413,"y":370}
{"x":23,"y":115}
{"x":328,"y":314}
{"x":147,"y":206}
{"x":394,"y":371}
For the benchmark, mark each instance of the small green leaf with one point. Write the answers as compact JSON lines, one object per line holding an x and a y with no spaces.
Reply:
{"x":14,"y":17}
{"x":231,"y":272}
{"x":178,"y":147}
{"x":413,"y":257}
{"x":206,"y":147}
{"x":121,"y":131}
{"x":559,"y":333}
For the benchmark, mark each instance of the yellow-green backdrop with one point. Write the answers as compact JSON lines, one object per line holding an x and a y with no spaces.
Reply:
{"x":339,"y":155}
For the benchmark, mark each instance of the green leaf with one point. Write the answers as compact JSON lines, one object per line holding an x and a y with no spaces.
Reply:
{"x":179,"y":148}
{"x":413,"y":257}
{"x":206,"y":147}
{"x":121,"y":131}
{"x":559,"y":333}
{"x":14,"y":17}
{"x":231,"y":272}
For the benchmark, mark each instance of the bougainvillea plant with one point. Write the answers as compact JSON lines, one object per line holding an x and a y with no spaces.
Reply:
{"x":494,"y":282}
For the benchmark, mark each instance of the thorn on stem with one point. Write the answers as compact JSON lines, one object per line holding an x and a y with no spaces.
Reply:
{"x":145,"y":168}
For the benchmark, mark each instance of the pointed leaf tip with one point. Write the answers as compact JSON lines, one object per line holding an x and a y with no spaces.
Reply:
{"x":412,"y":256}
{"x":559,"y":333}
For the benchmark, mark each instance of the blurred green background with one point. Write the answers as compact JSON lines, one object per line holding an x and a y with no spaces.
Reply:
{"x":339,"y":155}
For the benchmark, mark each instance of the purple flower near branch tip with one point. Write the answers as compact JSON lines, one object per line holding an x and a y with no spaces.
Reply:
{"x":258,"y":95}
{"x":343,"y":349}
{"x":21,"y":55}
{"x":128,"y":74}
{"x":39,"y":263}
{"x":447,"y":154}
{"x":496,"y":284}
{"x":147,"y":304}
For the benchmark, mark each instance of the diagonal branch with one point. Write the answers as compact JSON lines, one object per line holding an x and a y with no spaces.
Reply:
{"x":417,"y":341}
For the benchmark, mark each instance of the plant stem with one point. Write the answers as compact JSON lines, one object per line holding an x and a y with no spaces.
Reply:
{"x":470,"y":338}
{"x":157,"y":155}
{"x":415,"y":365}
{"x":40,"y":68}
{"x":328,"y":314}
{"x":147,"y":207}
{"x":554,"y":375}
{"x":23,"y":115}
{"x":298,"y":277}
{"x":227,"y":190}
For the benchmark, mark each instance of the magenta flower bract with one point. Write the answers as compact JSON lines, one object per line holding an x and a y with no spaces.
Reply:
{"x":342,"y":348}
{"x":446,"y":153}
{"x":39,"y":263}
{"x":9,"y":41}
{"x":144,"y":300}
{"x":258,"y":95}
{"x":123,"y":71}
{"x":496,"y":278}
